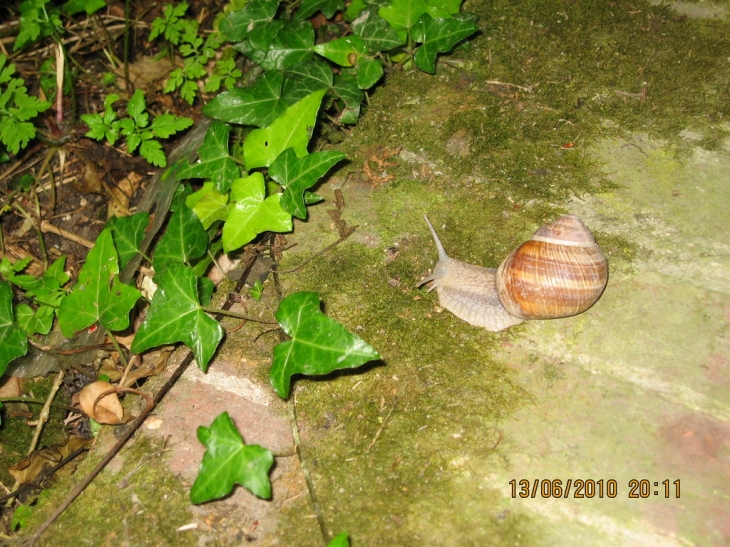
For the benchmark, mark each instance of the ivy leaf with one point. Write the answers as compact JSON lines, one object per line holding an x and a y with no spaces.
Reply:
{"x":251,"y":214}
{"x":440,"y":35}
{"x":451,"y":7}
{"x":319,"y":345}
{"x":305,"y":78}
{"x":347,"y":89}
{"x":292,"y":129}
{"x":402,"y":15}
{"x":128,"y":233}
{"x":328,"y":7}
{"x":369,"y":71}
{"x":292,"y":45}
{"x":376,"y":31}
{"x":344,"y":51}
{"x":34,"y":322}
{"x":208,"y":204}
{"x":15,"y":344}
{"x":215,"y":163}
{"x":98,"y":295}
{"x":229,"y":461}
{"x":340,"y":540}
{"x":259,"y":104}
{"x":238,"y":24}
{"x":175,"y":316}
{"x":298,"y":174}
{"x":185,"y":238}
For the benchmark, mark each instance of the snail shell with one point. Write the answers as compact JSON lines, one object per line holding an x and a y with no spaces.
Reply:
{"x":559,"y":272}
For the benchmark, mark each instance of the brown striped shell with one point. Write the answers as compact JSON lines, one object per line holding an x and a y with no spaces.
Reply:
{"x":559,"y":272}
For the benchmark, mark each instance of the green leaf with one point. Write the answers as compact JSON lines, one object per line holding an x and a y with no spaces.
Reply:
{"x":175,"y":316}
{"x":257,"y":105}
{"x":14,"y":344}
{"x":185,"y":238}
{"x":305,"y":78}
{"x":451,"y":7}
{"x":34,"y":322}
{"x":340,"y":540}
{"x":298,"y":174}
{"x":251,"y":214}
{"x":354,"y":9}
{"x":208,"y":204}
{"x":128,"y":233}
{"x":440,"y":35}
{"x":292,"y":129}
{"x":343,"y":51}
{"x":347,"y":89}
{"x":319,"y":345}
{"x":238,"y":24}
{"x":215,"y":163}
{"x":168,"y":124}
{"x":151,"y":150}
{"x":229,"y":461}
{"x":38,"y":19}
{"x":97,"y":128}
{"x":256,"y":291}
{"x":403,"y":14}
{"x":72,"y":7}
{"x":328,"y":7}
{"x":98,"y":295}
{"x":136,"y":106}
{"x":369,"y":71}
{"x":293,"y":44}
{"x":376,"y":31}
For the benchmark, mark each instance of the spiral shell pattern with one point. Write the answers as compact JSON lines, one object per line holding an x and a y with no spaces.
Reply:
{"x":558,"y":273}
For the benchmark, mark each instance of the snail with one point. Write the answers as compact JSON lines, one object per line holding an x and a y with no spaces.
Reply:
{"x":559,"y":272}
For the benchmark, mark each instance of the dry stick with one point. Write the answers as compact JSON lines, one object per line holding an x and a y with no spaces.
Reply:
{"x":47,"y":227}
{"x":43,"y":418}
{"x":132,"y":428}
{"x":377,"y":435}
{"x":305,"y":471}
{"x":327,"y":248}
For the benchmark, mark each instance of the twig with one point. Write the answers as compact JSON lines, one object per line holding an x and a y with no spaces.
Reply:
{"x":377,"y":435}
{"x":305,"y":470}
{"x":327,"y":248}
{"x":43,"y":418}
{"x":507,"y":84}
{"x":47,"y":227}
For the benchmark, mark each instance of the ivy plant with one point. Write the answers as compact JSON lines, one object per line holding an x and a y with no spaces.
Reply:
{"x":258,"y":188}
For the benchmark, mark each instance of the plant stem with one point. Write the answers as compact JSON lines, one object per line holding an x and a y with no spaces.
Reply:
{"x":126,"y":46}
{"x":212,"y":309}
{"x":122,"y":357}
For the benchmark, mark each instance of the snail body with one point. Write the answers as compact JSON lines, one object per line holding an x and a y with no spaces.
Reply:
{"x":559,"y":272}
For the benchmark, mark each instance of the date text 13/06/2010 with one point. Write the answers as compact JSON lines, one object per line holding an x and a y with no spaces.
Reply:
{"x":589,"y":488}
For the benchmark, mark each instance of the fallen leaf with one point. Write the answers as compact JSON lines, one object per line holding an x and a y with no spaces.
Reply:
{"x":108,"y":410}
{"x":32,"y":468}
